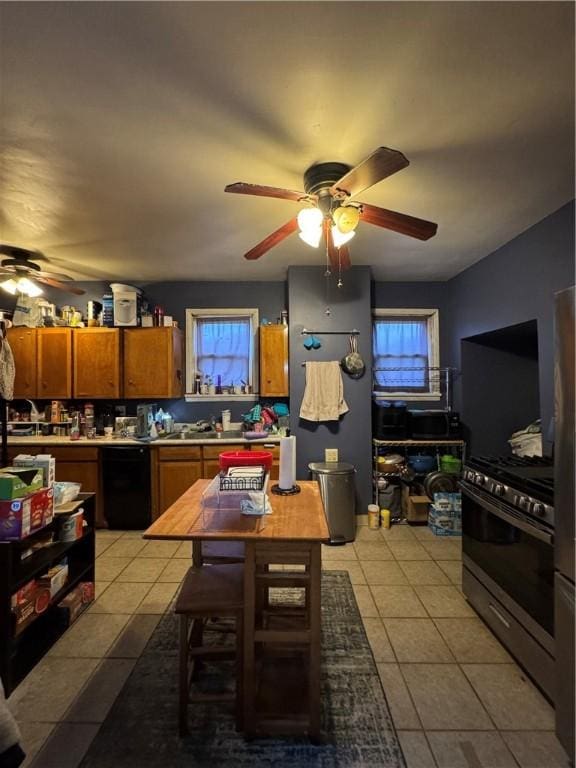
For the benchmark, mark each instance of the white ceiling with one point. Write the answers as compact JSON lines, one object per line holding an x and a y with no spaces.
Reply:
{"x":121,"y":124}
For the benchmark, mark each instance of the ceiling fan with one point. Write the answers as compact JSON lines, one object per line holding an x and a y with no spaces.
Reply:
{"x":330,"y":214}
{"x":20,"y":274}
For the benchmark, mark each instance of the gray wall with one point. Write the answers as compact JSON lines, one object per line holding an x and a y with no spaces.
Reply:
{"x":513,"y":285}
{"x":350,"y":308}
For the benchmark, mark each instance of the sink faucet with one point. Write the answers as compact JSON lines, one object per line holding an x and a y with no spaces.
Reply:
{"x":34,"y":412}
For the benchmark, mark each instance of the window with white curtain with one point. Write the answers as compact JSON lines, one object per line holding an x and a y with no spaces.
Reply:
{"x":405,"y":353}
{"x":221,"y":347}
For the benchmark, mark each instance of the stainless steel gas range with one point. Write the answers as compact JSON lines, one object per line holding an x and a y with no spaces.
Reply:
{"x":508,"y":556}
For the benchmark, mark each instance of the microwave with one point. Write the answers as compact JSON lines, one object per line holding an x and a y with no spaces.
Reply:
{"x":435,"y":425}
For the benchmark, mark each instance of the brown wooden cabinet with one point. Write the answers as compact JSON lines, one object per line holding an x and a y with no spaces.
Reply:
{"x":97,"y":362}
{"x":54,"y":369}
{"x":178,"y":468}
{"x":274,"y":361}
{"x":80,"y":464}
{"x":152,"y":362}
{"x":22,"y":341}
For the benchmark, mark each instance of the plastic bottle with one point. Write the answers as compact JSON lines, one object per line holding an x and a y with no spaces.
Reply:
{"x":385,"y":518}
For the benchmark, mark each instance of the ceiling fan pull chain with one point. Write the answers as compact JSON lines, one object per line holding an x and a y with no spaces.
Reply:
{"x":339,"y":284}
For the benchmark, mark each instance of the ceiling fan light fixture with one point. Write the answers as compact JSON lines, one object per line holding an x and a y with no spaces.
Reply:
{"x":339,"y":238}
{"x":346,"y":218}
{"x":310,"y":219}
{"x":22,"y":285}
{"x":311,"y":236}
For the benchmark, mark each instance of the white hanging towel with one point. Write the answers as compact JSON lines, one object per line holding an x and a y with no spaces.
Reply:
{"x":7,"y":370}
{"x":324,"y":394}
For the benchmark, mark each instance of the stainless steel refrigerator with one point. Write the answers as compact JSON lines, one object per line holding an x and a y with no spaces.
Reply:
{"x":564,"y":480}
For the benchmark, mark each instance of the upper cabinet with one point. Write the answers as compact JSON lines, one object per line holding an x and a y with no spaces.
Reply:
{"x":54,"y":363}
{"x":23,"y":344}
{"x":274,"y":361}
{"x":152,"y":362}
{"x":97,"y":363}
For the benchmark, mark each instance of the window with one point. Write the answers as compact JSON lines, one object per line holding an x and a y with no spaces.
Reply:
{"x":221,"y":344}
{"x":405,"y":353}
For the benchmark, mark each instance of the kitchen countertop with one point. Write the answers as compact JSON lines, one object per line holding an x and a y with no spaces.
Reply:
{"x":104,"y":442}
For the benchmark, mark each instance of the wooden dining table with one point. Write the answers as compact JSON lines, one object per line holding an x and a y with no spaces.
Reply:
{"x":291,"y":535}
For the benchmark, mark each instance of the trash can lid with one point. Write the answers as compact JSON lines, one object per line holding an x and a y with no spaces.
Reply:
{"x":331,"y":467}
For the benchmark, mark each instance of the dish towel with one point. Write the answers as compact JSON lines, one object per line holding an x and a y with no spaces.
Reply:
{"x":324,"y":394}
{"x":7,"y":370}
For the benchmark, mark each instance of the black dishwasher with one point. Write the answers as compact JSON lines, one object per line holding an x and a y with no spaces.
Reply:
{"x":126,"y":487}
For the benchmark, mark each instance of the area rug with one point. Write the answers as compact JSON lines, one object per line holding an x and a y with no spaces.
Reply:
{"x":141,"y":728}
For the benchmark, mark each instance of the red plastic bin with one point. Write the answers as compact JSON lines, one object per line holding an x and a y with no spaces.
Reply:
{"x":245,"y":459}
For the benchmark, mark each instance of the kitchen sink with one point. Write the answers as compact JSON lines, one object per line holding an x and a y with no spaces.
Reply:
{"x":233,"y":434}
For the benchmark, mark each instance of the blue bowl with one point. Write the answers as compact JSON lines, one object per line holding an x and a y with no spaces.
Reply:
{"x":422,"y":463}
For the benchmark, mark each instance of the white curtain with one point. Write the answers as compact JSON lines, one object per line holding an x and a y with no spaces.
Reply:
{"x":400,"y":344}
{"x":223,"y":349}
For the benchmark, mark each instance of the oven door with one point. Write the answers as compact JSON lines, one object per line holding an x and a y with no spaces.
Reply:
{"x":514,"y":552}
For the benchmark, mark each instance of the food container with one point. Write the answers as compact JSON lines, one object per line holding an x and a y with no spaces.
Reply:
{"x":373,"y":516}
{"x":449,"y":463}
{"x":245,"y":459}
{"x":21,"y":517}
{"x":422,"y":463}
{"x":55,"y":578}
{"x":16,"y":482}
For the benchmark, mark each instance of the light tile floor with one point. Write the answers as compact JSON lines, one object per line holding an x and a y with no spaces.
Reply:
{"x":457,"y":698}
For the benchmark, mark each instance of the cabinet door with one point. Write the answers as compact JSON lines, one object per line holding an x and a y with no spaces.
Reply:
{"x":23,"y":344}
{"x":175,"y":478}
{"x":54,"y":363}
{"x":274,"y":360}
{"x":96,"y":362}
{"x":152,"y":362}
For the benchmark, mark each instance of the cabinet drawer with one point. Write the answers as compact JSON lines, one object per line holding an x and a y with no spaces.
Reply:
{"x":184,"y":453}
{"x":272,"y":448}
{"x":213,"y":451}
{"x":72,"y":453}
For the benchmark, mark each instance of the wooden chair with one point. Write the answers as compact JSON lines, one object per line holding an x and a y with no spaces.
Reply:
{"x":282,"y":642}
{"x":207,"y":592}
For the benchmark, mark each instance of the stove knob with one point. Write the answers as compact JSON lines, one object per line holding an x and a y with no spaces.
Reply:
{"x":538,"y":509}
{"x":523,"y":502}
{"x":479,"y":479}
{"x":498,"y":489}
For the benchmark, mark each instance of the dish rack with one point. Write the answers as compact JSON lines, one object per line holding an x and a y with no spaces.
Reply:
{"x":235,"y":504}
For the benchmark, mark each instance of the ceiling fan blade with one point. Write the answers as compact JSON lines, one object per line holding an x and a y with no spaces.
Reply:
{"x":61,"y":286}
{"x":345,"y":262}
{"x":53,"y":275}
{"x":273,"y":239}
{"x":398,"y":222}
{"x":240,"y":188}
{"x":331,"y":248}
{"x":381,"y":164}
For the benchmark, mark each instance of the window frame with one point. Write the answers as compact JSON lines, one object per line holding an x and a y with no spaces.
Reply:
{"x":433,"y":331}
{"x":192,"y":317}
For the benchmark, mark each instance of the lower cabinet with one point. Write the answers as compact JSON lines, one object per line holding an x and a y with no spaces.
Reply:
{"x":177,"y":469}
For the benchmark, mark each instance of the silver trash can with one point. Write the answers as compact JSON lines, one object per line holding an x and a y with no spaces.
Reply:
{"x":337,"y":489}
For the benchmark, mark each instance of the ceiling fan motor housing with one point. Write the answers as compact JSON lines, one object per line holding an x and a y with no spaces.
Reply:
{"x":319,"y":178}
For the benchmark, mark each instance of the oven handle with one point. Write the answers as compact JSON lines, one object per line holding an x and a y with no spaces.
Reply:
{"x":532,"y":530}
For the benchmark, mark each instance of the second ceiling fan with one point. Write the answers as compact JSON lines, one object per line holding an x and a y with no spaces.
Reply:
{"x":330,"y":214}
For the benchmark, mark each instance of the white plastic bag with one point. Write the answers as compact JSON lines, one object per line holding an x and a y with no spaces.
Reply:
{"x":27,"y":311}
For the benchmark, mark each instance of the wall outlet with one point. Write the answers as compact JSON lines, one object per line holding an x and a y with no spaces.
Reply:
{"x":330,"y":454}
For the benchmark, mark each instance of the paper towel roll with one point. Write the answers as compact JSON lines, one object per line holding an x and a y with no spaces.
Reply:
{"x":287,"y":475}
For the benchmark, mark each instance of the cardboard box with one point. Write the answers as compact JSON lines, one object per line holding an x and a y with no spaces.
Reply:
{"x":30,"y":601}
{"x":55,"y":578}
{"x":45,"y":462}
{"x":415,"y":506}
{"x":16,"y":482}
{"x":76,"y":601}
{"x":445,"y":522}
{"x":21,"y":517}
{"x":71,"y":526}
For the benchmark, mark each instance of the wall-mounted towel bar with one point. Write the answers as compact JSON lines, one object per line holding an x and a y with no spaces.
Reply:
{"x":353,"y":332}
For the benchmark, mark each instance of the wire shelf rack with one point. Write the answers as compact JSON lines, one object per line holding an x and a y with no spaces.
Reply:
{"x":432,"y":382}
